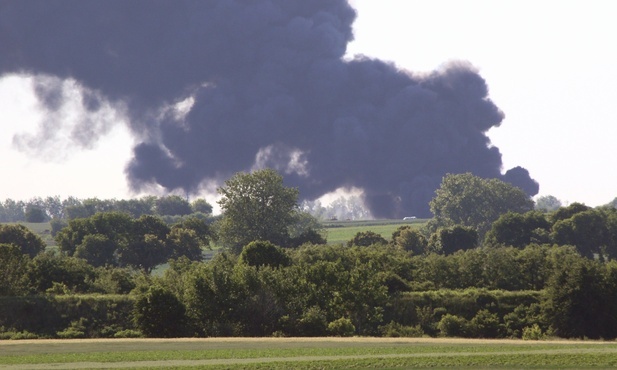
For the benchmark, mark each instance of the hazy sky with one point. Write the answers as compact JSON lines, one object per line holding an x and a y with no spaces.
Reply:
{"x":551,"y":66}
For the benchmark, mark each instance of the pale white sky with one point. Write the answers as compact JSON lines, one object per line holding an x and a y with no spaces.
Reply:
{"x":551,"y":66}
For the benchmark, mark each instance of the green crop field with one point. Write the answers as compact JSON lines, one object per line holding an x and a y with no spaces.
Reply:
{"x":304,"y":353}
{"x":342,"y":231}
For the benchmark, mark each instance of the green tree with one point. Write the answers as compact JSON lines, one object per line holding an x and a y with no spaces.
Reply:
{"x":547,"y":203}
{"x":159,"y":314}
{"x":565,"y":213}
{"x":366,"y":238}
{"x":49,"y":268}
{"x":468,"y":200}
{"x":173,"y":205}
{"x":256,"y":206}
{"x":115,"y":238}
{"x":14,"y":264}
{"x":590,"y":231}
{"x":35,"y":214}
{"x":518,"y":230}
{"x":13,"y":211}
{"x":88,"y":207}
{"x":97,"y":249}
{"x":202,"y":206}
{"x":264,"y":253}
{"x":203,"y":231}
{"x":19,"y":235}
{"x":447,"y":240}
{"x":137,"y":207}
{"x":185,"y":242}
{"x":146,"y":247}
{"x":116,"y":226}
{"x":306,"y":229}
{"x":410,"y":239}
{"x":534,"y":266}
{"x":579,"y":302}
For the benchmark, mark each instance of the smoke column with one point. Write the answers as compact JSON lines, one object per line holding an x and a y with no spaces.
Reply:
{"x":216,"y":87}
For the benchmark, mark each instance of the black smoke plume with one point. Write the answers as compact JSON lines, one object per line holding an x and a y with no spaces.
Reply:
{"x":216,"y":87}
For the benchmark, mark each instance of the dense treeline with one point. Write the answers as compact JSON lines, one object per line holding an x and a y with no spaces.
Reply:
{"x":510,"y":271}
{"x":328,"y":290}
{"x":54,"y":208}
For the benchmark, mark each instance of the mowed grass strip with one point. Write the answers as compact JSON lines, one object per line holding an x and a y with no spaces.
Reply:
{"x":301,"y":353}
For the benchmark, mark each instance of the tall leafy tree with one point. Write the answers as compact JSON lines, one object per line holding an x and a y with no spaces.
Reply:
{"x":579,"y":302}
{"x":97,"y":249}
{"x":519,"y":230}
{"x":14,"y":268}
{"x":593,"y":232}
{"x":173,"y":205}
{"x":447,"y":240}
{"x":468,"y":200}
{"x":116,"y":226}
{"x":256,"y":206}
{"x":201,"y":205}
{"x":547,"y":203}
{"x":564,"y":213}
{"x":410,"y":239}
{"x":366,"y":238}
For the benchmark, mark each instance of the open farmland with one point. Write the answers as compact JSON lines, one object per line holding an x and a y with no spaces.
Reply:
{"x":343,"y":231}
{"x":303,"y":353}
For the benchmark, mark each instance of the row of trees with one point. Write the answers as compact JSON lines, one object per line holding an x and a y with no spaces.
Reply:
{"x":45,"y":209}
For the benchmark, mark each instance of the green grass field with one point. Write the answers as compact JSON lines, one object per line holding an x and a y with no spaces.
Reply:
{"x":305,"y":353}
{"x":343,"y":231}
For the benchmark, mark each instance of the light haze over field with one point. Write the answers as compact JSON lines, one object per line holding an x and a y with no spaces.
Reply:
{"x":550,"y":67}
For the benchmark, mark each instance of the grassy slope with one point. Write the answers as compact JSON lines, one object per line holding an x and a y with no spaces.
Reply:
{"x":305,"y":353}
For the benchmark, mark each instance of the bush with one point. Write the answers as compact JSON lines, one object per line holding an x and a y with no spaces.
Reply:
{"x":533,"y":332}
{"x":160,"y":314}
{"x":485,"y":325}
{"x":313,"y":323}
{"x":128,"y":333}
{"x":264,"y":253}
{"x":13,"y":334}
{"x":342,"y":327}
{"x":396,"y":330}
{"x":453,"y":326}
{"x":77,"y":329}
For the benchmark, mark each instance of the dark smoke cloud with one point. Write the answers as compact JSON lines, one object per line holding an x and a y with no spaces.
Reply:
{"x":266,"y":85}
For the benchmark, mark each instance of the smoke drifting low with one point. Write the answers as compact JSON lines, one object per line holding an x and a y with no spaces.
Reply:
{"x":216,"y":87}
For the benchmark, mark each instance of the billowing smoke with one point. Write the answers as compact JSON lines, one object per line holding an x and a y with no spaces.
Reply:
{"x":216,"y":87}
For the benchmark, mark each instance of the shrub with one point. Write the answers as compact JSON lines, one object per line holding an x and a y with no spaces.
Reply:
{"x":452,"y":326}
{"x":366,"y":238}
{"x":13,"y":334}
{"x":264,"y":253}
{"x":159,"y":313}
{"x":533,"y":332}
{"x":485,"y":325}
{"x":396,"y":330}
{"x":77,"y":329}
{"x":128,"y":333}
{"x":342,"y":327}
{"x":313,"y":323}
